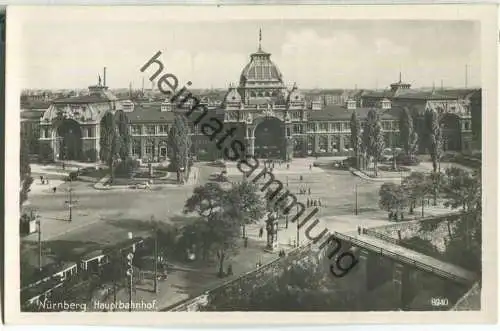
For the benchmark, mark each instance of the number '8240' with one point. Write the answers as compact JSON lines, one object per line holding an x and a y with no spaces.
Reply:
{"x":439,"y":302}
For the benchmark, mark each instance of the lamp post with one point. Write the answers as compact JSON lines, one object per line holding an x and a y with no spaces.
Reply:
{"x":70,"y":201}
{"x":39,"y":228}
{"x":356,"y":199}
{"x":155,"y":255}
{"x":286,"y":216}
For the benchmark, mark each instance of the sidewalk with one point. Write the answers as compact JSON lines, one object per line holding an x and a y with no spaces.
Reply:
{"x":192,"y":180}
{"x":364,"y":176}
{"x":186,"y":280}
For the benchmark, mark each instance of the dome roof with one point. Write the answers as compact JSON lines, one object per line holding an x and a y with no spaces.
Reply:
{"x":233,"y":96}
{"x":260,"y":68}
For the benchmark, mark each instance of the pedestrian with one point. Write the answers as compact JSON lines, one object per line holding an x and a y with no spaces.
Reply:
{"x":359,"y":230}
{"x":47,"y":181}
{"x":319,"y":202}
{"x":315,"y":202}
{"x":301,"y":177}
{"x":63,"y":166}
{"x":41,"y":179}
{"x":246,"y":242}
{"x":261,"y":232}
{"x":309,"y":191}
{"x":310,"y":167}
{"x":54,"y":189}
{"x":288,"y":166}
{"x":307,"y":203}
{"x":230,"y":269}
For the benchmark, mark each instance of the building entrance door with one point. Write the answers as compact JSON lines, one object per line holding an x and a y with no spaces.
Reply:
{"x":163,"y":152}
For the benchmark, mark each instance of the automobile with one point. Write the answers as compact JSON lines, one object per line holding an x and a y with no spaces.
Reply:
{"x":142,"y":186}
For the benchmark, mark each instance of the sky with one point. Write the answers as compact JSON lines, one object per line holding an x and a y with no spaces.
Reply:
{"x":211,"y":54}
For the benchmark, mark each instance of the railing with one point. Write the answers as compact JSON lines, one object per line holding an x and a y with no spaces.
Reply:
{"x":416,"y":264}
{"x":441,"y":217}
{"x":383,"y":237}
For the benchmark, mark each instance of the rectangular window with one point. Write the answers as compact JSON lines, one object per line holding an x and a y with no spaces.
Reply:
{"x":151,"y":129}
{"x":149,"y":149}
{"x":311,"y":127}
{"x":136,"y":148}
{"x":323,"y":126}
{"x":163,"y":129}
{"x":136,"y":129}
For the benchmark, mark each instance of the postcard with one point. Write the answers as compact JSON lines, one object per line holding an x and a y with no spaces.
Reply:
{"x":328,"y":164}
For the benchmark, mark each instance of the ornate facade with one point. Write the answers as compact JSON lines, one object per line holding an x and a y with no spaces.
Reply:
{"x":272,"y":120}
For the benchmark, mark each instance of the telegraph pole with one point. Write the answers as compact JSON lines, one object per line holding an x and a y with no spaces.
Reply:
{"x":298,"y":238}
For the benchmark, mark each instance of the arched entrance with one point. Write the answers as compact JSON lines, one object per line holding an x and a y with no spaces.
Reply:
{"x":270,"y":139}
{"x":69,"y":134}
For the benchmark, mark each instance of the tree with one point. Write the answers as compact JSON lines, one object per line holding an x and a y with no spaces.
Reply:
{"x":205,"y":200}
{"x":462,"y":189}
{"x":356,"y":140}
{"x":24,"y":169}
{"x":223,"y":213}
{"x":121,"y":120}
{"x":417,"y":186}
{"x":392,"y":198}
{"x":409,"y":136}
{"x":179,"y":142}
{"x":247,"y":203}
{"x":110,"y":142}
{"x":373,"y":138}
{"x":435,"y":139}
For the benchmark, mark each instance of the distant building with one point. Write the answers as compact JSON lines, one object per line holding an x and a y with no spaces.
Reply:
{"x":269,"y":119}
{"x":454,"y":106}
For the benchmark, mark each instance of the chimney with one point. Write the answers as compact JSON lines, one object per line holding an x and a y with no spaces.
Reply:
{"x":104,"y":78}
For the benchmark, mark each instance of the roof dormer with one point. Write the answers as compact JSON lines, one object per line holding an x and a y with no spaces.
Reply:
{"x":166,"y":105}
{"x":351,"y":104}
{"x":385,"y":104}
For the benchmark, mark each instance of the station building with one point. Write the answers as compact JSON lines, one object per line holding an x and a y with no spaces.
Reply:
{"x":271,"y":119}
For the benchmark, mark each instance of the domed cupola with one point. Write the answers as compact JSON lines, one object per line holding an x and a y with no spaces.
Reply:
{"x":232,"y":98}
{"x":294,"y":95}
{"x":260,"y":68}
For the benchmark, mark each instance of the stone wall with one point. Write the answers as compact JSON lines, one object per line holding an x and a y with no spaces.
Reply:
{"x":245,"y":283}
{"x":433,"y":229}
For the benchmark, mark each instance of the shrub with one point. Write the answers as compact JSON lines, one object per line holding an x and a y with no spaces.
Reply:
{"x":403,"y":159}
{"x":127,"y":167}
{"x":73,"y":175}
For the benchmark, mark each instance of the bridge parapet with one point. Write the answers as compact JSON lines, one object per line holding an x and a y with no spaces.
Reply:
{"x":244,"y":283}
{"x":433,"y":229}
{"x":463,"y":277}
